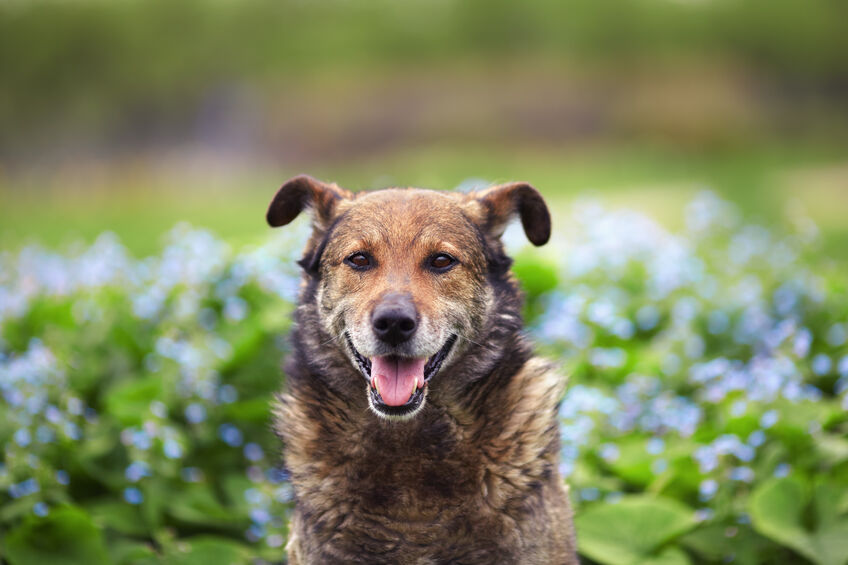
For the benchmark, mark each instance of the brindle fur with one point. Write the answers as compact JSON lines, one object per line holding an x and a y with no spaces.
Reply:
{"x":472,"y":477}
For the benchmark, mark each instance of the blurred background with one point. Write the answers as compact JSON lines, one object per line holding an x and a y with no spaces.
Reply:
{"x":705,"y":334}
{"x":131,"y":115}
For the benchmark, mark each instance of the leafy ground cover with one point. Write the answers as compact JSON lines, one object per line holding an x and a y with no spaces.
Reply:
{"x":705,"y":419}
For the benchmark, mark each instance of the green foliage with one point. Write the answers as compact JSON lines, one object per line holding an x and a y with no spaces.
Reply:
{"x":67,"y":536}
{"x":634,"y":530}
{"x":705,"y":419}
{"x":811,"y":520}
{"x":210,"y":551}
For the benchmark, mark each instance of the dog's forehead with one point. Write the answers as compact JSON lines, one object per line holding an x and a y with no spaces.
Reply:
{"x":406,"y":212}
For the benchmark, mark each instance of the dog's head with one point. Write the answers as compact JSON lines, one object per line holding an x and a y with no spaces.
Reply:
{"x":402,"y":278}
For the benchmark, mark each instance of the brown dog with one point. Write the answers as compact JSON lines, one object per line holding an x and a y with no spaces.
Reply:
{"x":418,"y":427}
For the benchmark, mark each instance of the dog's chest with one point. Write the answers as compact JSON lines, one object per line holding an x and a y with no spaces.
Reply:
{"x":414,"y":473}
{"x":424,"y":486}
{"x":410,"y":508}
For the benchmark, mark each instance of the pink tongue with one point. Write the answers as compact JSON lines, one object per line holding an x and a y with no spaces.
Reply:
{"x":395,"y":378}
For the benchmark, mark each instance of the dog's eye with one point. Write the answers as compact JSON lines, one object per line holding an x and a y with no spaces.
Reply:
{"x":441,"y":262}
{"x":359,"y":261}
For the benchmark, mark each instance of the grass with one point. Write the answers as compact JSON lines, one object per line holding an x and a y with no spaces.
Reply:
{"x":139,"y":203}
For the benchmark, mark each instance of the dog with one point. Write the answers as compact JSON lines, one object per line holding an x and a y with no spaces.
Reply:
{"x":418,"y":427}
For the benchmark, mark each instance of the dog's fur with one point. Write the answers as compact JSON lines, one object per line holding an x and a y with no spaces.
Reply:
{"x":470,"y":475}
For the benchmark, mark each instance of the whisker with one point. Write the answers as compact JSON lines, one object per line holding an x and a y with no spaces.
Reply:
{"x":332,"y":339}
{"x":489,"y":347}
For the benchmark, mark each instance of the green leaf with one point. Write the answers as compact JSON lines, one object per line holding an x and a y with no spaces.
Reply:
{"x":66,"y":536}
{"x":196,"y":504}
{"x":668,"y":556}
{"x":832,"y":448}
{"x":254,"y":410}
{"x":129,"y":402}
{"x":634,"y":462}
{"x":713,"y":545}
{"x":209,"y":551}
{"x":777,"y":511}
{"x":234,"y":486}
{"x":537,"y":275}
{"x":133,"y":553}
{"x":119,"y":516}
{"x":831,"y":544}
{"x":633,"y":530}
{"x":827,"y":499}
{"x":15,"y":509}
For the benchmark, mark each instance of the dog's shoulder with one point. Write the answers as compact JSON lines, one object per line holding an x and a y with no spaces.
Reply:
{"x":523,"y":447}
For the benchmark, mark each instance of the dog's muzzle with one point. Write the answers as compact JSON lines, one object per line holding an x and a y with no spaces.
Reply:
{"x":397,"y":386}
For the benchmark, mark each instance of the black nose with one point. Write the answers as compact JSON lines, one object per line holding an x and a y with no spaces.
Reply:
{"x":394,"y":319}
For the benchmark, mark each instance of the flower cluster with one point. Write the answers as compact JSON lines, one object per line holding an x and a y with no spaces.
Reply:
{"x":701,"y":364}
{"x":706,"y":361}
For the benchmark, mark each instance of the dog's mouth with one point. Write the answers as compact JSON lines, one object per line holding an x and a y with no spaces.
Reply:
{"x":397,"y":385}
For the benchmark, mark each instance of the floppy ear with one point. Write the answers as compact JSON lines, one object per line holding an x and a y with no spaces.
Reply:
{"x":501,"y":203}
{"x":301,"y":192}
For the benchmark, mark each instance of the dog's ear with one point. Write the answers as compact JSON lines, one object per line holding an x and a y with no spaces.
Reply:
{"x":501,"y":203}
{"x":303,"y":192}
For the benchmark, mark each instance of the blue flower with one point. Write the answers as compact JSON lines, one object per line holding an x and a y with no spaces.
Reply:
{"x":659,"y":466}
{"x":235,"y":309}
{"x":609,"y":452}
{"x":172,"y":449}
{"x":133,"y":495}
{"x":230,"y":435}
{"x":227,"y":394}
{"x":275,"y":540}
{"x":768,"y":419}
{"x":141,"y":439}
{"x":255,"y":533}
{"x":707,"y":458}
{"x":22,"y":437}
{"x":158,"y":409}
{"x":136,"y":471}
{"x":782,"y":470}
{"x":843,"y":366}
{"x":253,"y":452}
{"x":24,"y":488}
{"x":655,"y":446}
{"x":744,"y":474}
{"x":647,"y":317}
{"x":757,"y":438}
{"x":260,"y":516}
{"x":821,"y":364}
{"x":609,"y":358}
{"x":275,"y":475}
{"x":254,"y":496}
{"x":704,"y":514}
{"x":836,"y":335}
{"x":195,"y":413}
{"x":590,"y":493}
{"x":707,"y":489}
